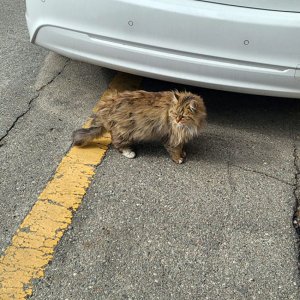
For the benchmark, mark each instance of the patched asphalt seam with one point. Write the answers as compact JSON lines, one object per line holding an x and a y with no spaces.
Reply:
{"x":31,"y":102}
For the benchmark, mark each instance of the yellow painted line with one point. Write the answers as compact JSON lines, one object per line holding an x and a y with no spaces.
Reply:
{"x":33,"y":244}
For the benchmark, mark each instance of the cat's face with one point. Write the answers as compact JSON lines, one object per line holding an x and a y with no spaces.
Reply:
{"x":188,"y":110}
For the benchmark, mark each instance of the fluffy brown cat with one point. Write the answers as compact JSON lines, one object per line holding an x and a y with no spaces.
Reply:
{"x":173,"y":118}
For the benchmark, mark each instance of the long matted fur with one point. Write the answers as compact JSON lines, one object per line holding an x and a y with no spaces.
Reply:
{"x":171,"y":117}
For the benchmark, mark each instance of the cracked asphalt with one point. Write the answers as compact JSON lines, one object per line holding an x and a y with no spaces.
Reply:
{"x":220,"y":226}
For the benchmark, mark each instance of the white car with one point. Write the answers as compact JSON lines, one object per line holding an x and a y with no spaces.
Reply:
{"x":235,"y":45}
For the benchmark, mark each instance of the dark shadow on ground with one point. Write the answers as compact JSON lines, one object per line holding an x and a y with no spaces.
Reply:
{"x":279,"y":116}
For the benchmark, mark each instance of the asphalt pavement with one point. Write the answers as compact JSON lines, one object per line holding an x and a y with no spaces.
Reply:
{"x":219,"y":226}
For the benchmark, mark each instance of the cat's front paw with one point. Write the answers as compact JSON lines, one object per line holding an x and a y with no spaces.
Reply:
{"x":179,"y":160}
{"x":128,"y":153}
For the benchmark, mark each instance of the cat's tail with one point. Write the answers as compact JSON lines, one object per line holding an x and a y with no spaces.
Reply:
{"x":82,"y":137}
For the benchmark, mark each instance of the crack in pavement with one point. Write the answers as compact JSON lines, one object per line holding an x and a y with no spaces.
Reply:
{"x":54,"y":77}
{"x":17,"y":119}
{"x":263,"y":173}
{"x":230,"y":179}
{"x":32,"y":246}
{"x":296,"y":191}
{"x":39,"y":90}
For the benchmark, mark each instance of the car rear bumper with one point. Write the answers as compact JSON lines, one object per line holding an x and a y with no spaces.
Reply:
{"x":131,"y":51}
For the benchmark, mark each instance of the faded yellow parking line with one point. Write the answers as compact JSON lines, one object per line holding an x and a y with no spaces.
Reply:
{"x":33,"y":244}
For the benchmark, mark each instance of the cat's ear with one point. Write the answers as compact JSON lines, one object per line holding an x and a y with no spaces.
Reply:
{"x":176,"y":95}
{"x":193,"y":106}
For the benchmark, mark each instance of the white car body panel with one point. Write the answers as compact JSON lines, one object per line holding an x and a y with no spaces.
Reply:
{"x":279,"y":5}
{"x":193,"y":42}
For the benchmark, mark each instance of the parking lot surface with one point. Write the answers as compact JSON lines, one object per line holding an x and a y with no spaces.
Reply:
{"x":219,"y":226}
